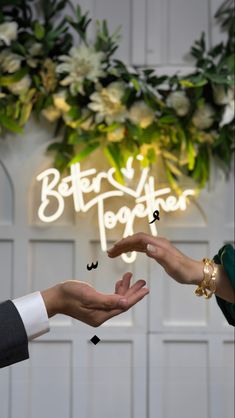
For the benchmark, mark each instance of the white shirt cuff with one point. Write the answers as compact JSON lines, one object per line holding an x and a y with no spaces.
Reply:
{"x":33,"y":313}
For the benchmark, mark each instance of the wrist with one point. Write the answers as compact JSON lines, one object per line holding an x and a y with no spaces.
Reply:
{"x":53,"y":300}
{"x":196,"y":272}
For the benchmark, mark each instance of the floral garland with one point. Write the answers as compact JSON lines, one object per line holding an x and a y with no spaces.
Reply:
{"x":96,"y":101}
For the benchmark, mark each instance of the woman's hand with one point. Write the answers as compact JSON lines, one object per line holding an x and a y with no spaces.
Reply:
{"x":179,"y":266}
{"x":81,"y":301}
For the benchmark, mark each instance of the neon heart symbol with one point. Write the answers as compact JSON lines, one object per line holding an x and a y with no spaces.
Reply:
{"x":135,"y":193}
{"x":128,"y":171}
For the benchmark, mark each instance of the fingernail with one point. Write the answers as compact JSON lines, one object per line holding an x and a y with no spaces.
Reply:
{"x":151,"y":248}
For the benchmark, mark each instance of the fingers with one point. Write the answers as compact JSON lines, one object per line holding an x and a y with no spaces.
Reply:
{"x":132,"y":295}
{"x":117,"y":286}
{"x":135,"y":288}
{"x":126,"y":297}
{"x":123,"y":285}
{"x":137,"y":296}
{"x":137,"y":242}
{"x":125,"y":303}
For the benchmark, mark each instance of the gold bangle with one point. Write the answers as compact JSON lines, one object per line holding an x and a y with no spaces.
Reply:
{"x":207,"y":287}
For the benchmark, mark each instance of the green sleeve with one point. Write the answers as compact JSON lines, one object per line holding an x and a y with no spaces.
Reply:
{"x":226,"y":257}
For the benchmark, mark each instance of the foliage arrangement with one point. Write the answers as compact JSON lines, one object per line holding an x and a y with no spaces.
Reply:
{"x":96,"y":101}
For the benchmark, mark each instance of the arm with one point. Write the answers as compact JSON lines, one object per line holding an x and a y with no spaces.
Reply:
{"x":26,"y":318}
{"x":13,"y":337}
{"x":180,"y":267}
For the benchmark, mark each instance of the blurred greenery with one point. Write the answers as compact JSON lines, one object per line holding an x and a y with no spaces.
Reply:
{"x":162,"y":129}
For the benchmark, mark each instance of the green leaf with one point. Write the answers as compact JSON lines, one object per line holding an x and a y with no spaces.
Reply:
{"x":74,"y":113}
{"x":77,"y":137}
{"x":171,"y":178}
{"x":167,"y":120}
{"x":39,"y":31}
{"x":230,"y":61}
{"x":74,"y":138}
{"x":219,"y":78}
{"x":10,"y":124}
{"x":18,"y":48}
{"x":135,"y":83}
{"x":109,"y":128}
{"x":61,"y":161}
{"x":151,"y":100}
{"x":134,"y":131}
{"x":191,"y":155}
{"x":170,"y":156}
{"x":194,"y":81}
{"x":173,"y":169}
{"x":7,"y":80}
{"x":54,"y":147}
{"x":151,"y":155}
{"x":25,"y":113}
{"x":84,"y":153}
{"x":112,"y":154}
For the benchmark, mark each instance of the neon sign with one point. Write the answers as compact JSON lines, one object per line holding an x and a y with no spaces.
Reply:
{"x":81,"y":183}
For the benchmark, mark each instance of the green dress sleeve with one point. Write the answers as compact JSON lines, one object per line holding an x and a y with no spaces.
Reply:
{"x":226,"y":257}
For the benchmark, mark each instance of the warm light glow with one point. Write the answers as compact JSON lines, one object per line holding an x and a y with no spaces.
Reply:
{"x":80,"y":183}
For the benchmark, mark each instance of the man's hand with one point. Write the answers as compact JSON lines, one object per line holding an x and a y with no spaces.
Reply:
{"x":81,"y":301}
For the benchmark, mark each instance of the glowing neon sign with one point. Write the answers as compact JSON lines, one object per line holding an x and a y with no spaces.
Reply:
{"x":81,"y":183}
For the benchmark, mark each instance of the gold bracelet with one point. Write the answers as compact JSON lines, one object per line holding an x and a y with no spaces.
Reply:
{"x":207,"y":287}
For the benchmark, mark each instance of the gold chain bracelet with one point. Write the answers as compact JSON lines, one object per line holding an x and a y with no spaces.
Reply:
{"x":207,"y":287}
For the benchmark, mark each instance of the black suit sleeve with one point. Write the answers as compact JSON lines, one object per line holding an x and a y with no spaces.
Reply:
{"x":13,"y":337}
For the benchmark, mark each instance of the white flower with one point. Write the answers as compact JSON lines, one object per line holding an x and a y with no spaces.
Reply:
{"x":59,"y":100}
{"x":82,"y":63}
{"x":8,"y":32}
{"x":203,"y":118}
{"x":21,"y":86}
{"x":107,"y":103}
{"x":116,"y":135}
{"x":228,"y":114}
{"x":179,"y":102}
{"x":141,"y":114}
{"x":222,"y":96}
{"x":9,"y":62}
